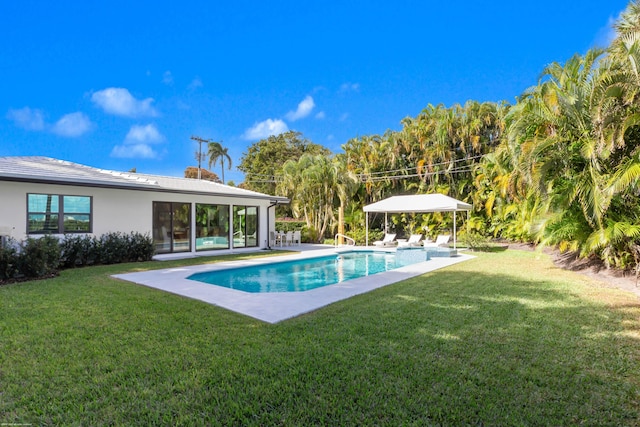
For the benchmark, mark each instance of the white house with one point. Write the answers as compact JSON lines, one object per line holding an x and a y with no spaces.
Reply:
{"x":41,"y":195}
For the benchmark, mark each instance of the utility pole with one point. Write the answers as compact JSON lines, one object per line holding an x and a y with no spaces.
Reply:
{"x":199,"y":141}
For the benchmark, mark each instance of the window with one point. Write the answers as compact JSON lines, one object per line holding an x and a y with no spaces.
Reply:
{"x":212,"y":227}
{"x":245,"y":226}
{"x":53,"y":213}
{"x":172,"y":227}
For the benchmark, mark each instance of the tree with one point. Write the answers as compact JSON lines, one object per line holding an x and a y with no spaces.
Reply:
{"x":262,"y":163}
{"x":316,"y":184}
{"x":215,"y":152}
{"x":192,"y":172}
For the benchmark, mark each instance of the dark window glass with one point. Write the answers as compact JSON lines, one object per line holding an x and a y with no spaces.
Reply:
{"x":245,"y":226}
{"x":212,"y":227}
{"x":172,"y":227}
{"x":53,"y":213}
{"x":77,"y":214}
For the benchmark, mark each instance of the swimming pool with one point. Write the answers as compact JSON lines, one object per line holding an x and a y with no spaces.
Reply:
{"x":311,"y":273}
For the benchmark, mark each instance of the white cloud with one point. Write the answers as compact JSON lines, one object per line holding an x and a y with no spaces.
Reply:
{"x":138,"y":143}
{"x":72,"y":125}
{"x":321,"y":115}
{"x":304,"y":109}
{"x":265,"y":129}
{"x":27,"y":118}
{"x":130,"y":151}
{"x":344,"y":117}
{"x":349,"y":87}
{"x":119,"y":101}
{"x":143,"y":134}
{"x":167,"y":78}
{"x":195,"y":84}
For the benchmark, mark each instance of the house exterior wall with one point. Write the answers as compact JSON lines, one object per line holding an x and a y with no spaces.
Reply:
{"x":115,"y":210}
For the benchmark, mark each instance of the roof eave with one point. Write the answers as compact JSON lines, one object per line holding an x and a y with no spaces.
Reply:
{"x":133,"y":186}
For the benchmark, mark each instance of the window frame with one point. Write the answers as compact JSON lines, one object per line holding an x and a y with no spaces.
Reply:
{"x":198,"y":227}
{"x":61,"y":214}
{"x":244,"y":229}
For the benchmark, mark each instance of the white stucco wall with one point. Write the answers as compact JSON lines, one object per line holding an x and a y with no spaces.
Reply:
{"x":114,"y":209}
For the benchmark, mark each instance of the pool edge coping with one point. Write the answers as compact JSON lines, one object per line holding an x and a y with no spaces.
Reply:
{"x":276,"y":307}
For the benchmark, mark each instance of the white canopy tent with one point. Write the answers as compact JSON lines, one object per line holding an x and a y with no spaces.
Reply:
{"x":418,"y":203}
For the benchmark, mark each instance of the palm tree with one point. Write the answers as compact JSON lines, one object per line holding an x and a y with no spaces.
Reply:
{"x":316,"y":184}
{"x":217,"y":152}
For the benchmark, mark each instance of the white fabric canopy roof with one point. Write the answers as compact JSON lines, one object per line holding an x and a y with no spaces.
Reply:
{"x":418,"y":203}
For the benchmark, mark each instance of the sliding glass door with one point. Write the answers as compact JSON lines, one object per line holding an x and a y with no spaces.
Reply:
{"x":171,"y":227}
{"x":245,"y":226}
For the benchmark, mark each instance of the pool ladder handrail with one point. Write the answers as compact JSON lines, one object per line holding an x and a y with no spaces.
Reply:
{"x":351,"y":241}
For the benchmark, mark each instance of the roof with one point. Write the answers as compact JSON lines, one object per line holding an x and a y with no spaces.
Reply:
{"x":53,"y":171}
{"x":418,"y":203}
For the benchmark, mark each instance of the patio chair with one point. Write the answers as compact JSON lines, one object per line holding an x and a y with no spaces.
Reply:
{"x":389,"y":240}
{"x":414,"y":240}
{"x":288,"y":238}
{"x":297,"y":236}
{"x":441,"y":240}
{"x":274,"y":238}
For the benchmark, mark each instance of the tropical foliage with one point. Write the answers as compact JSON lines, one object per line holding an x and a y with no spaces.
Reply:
{"x":263,"y":161}
{"x":315,"y":184}
{"x":559,"y":167}
{"x":215,"y":152}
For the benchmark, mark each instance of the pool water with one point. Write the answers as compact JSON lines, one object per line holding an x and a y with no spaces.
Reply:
{"x":311,"y":273}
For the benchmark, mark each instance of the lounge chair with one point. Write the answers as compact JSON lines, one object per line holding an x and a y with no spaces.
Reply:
{"x":389,"y":240}
{"x":441,"y":240}
{"x":414,"y":240}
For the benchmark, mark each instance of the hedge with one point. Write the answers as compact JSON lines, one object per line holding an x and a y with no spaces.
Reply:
{"x":45,"y":256}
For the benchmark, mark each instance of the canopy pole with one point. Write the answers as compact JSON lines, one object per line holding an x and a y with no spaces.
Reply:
{"x":366,"y":228}
{"x":386,"y":225}
{"x":454,"y":230}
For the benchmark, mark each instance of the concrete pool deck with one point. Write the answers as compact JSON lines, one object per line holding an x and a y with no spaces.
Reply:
{"x":275,"y":307}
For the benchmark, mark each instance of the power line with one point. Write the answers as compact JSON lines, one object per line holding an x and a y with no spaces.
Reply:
{"x":200,"y":141}
{"x":379,"y":178}
{"x":430,"y":165}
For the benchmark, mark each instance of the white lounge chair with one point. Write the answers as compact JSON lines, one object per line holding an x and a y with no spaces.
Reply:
{"x":414,"y":240}
{"x":441,"y":240}
{"x":389,"y":240}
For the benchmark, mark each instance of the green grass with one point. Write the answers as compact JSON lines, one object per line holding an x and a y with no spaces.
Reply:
{"x":504,"y":339}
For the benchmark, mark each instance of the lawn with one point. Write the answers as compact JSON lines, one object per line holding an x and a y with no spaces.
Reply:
{"x":503,"y":339}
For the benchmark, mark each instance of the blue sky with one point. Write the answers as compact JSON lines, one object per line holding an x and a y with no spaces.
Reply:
{"x":123,"y":84}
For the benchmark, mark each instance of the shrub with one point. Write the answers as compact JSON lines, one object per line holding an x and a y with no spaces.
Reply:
{"x":141,"y":247}
{"x":77,"y":251}
{"x":39,"y":257}
{"x":8,"y":261}
{"x":310,"y":235}
{"x":475,"y":241}
{"x":42,"y":257}
{"x":113,"y":248}
{"x":110,"y":248}
{"x":289,"y":225}
{"x":119,"y":247}
{"x":360,"y":236}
